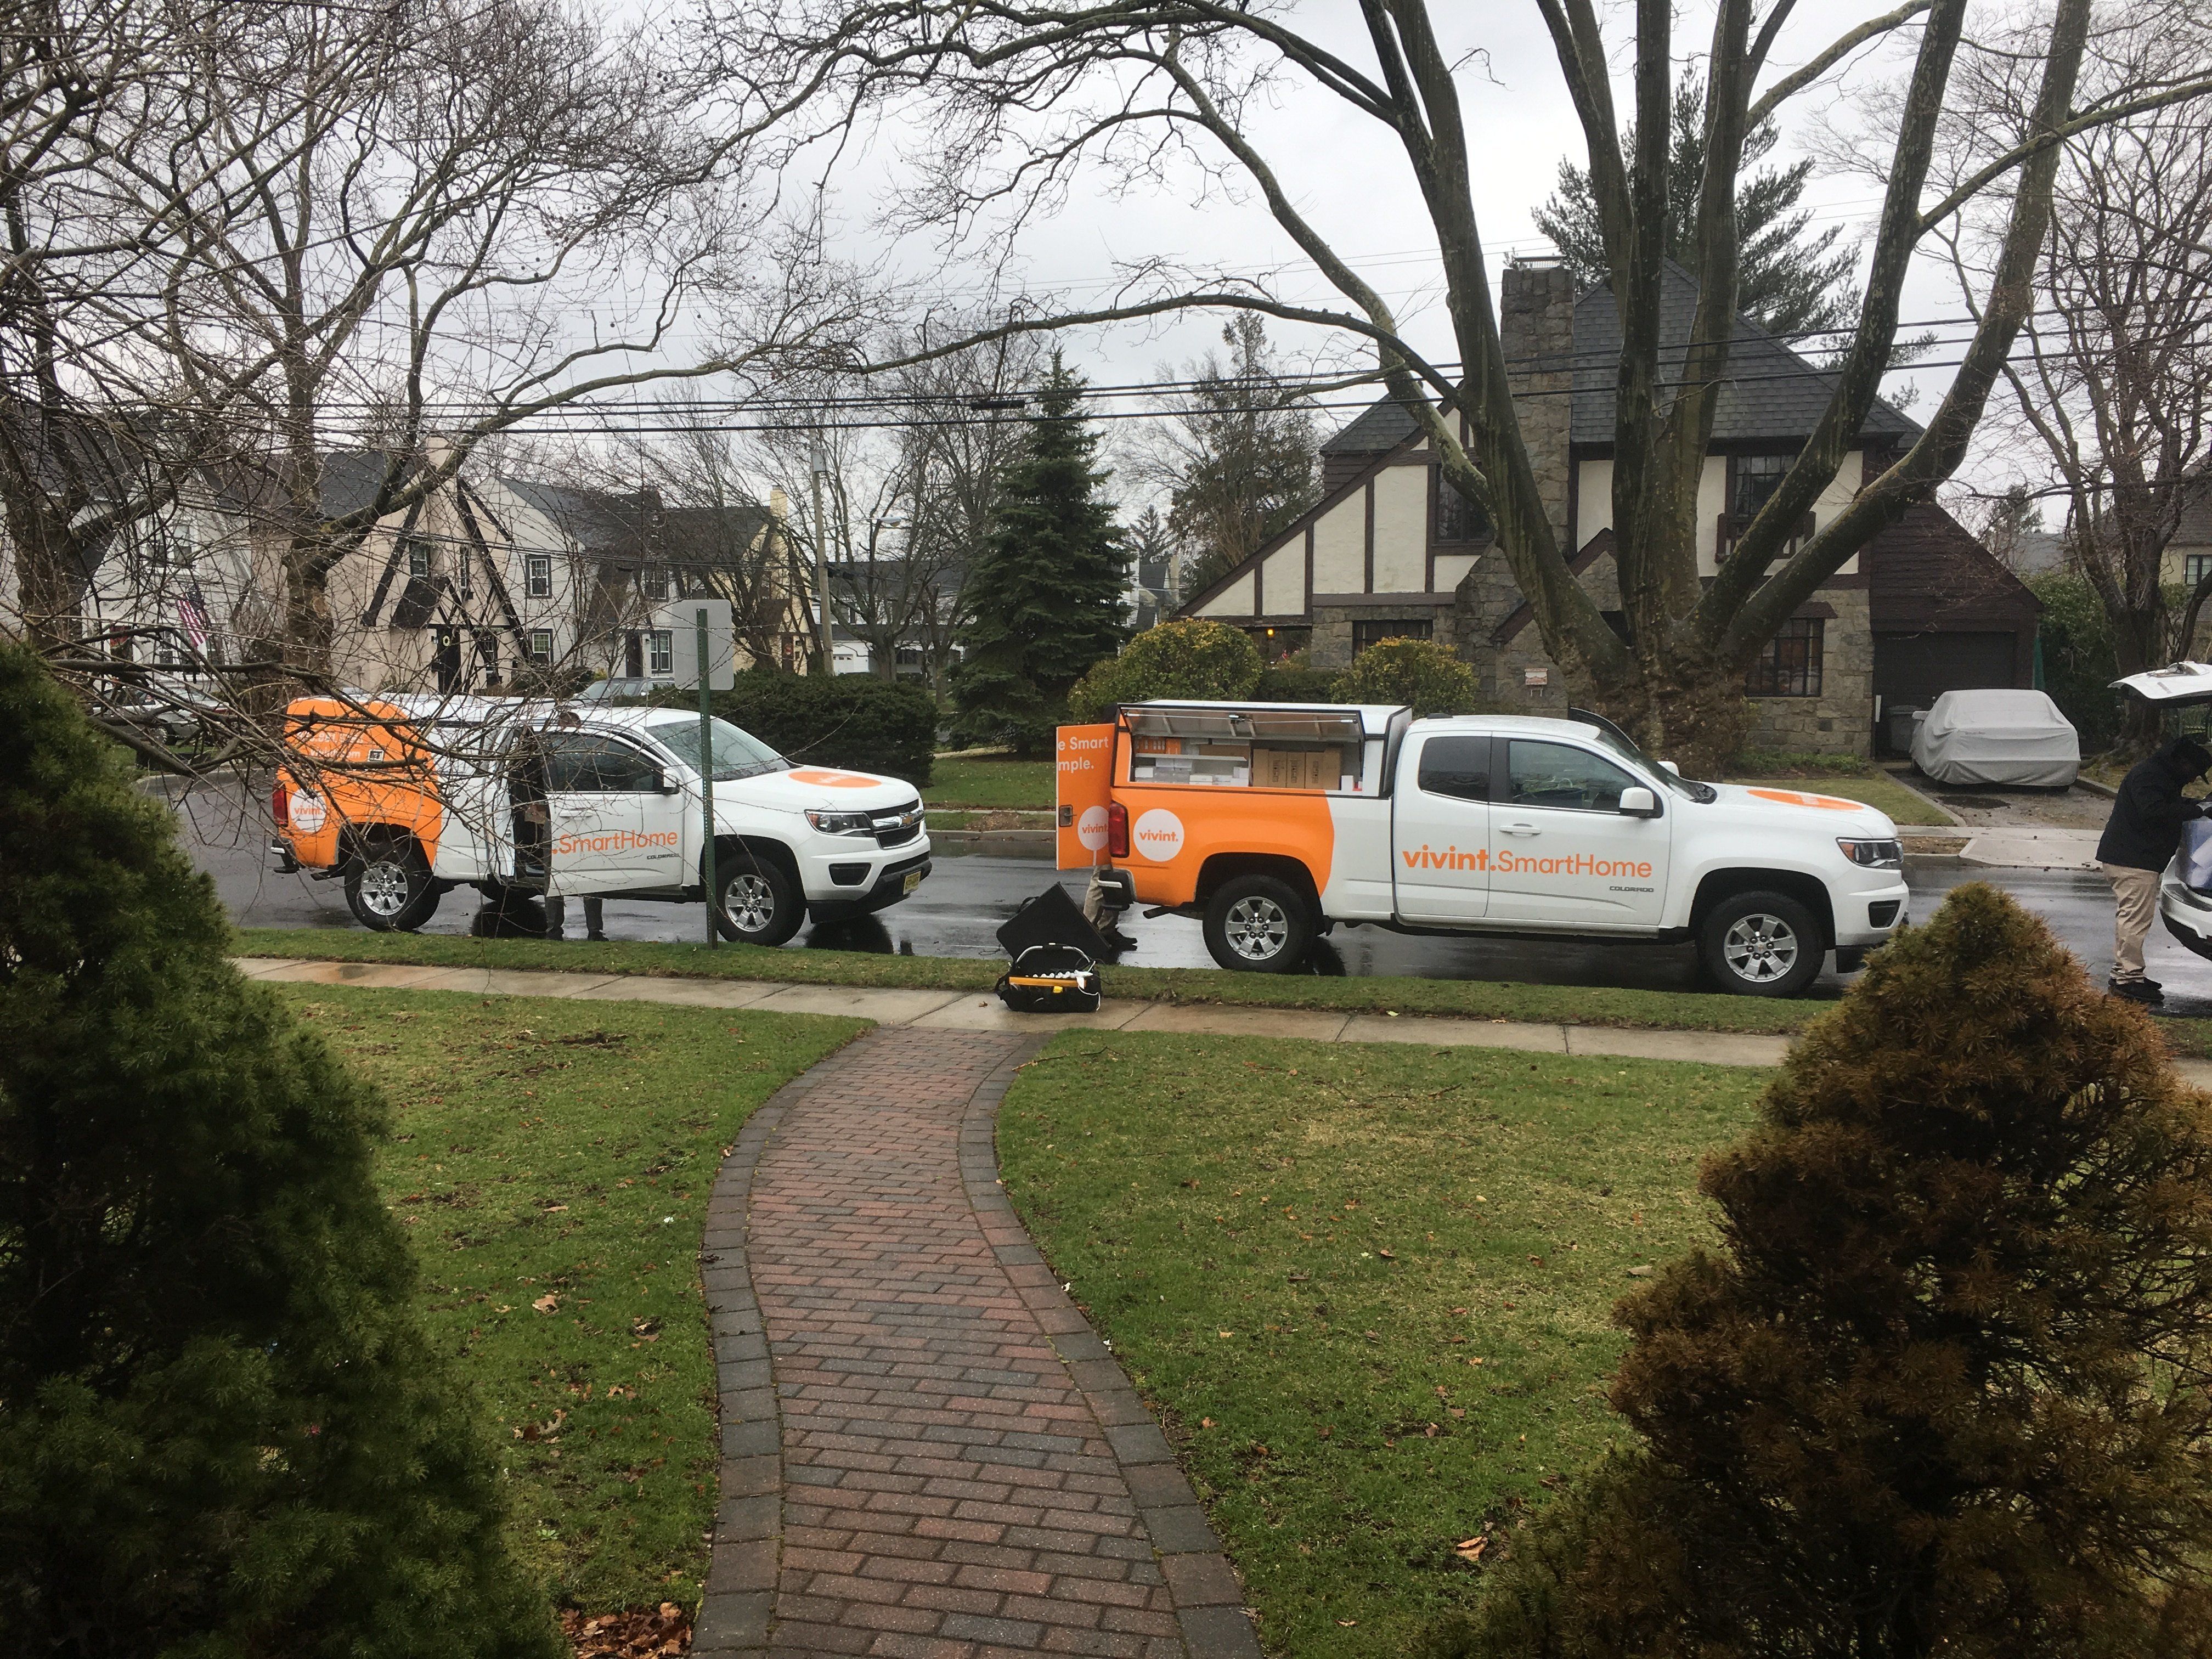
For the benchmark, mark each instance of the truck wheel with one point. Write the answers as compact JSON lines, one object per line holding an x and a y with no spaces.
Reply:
{"x":759,"y":903}
{"x":1762,"y":945}
{"x":388,"y":888}
{"x":1258,"y":924}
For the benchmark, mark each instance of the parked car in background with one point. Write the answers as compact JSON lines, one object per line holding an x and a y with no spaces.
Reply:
{"x":620,"y":689}
{"x":1997,"y":736}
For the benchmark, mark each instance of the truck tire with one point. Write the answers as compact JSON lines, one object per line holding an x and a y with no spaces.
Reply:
{"x":1761,"y":944}
{"x":759,"y":902}
{"x":388,"y":888}
{"x":1259,"y":925}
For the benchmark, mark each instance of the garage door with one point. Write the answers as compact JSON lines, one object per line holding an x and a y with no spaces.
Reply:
{"x":1915,"y":669}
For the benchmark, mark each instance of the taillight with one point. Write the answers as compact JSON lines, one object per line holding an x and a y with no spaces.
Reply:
{"x":280,"y":805}
{"x":1117,"y":830}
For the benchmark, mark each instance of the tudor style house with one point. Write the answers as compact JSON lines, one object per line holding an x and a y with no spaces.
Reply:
{"x":1389,"y":552}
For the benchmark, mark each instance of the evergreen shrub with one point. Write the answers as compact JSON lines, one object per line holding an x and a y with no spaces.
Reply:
{"x":1291,"y":682}
{"x":223,"y":1434}
{"x":854,"y":720}
{"x":1418,"y":672}
{"x":1192,"y":657}
{"x":1942,"y":1389}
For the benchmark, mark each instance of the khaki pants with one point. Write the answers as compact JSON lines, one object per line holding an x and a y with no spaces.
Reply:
{"x":2135,"y":895}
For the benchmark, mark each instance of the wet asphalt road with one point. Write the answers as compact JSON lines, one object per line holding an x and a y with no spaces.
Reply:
{"x":962,"y":904}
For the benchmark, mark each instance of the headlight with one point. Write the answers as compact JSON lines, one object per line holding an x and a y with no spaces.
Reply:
{"x":1875,"y":855}
{"x":842,"y":823}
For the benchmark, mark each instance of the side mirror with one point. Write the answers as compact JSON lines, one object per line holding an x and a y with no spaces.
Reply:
{"x":1669,"y":766}
{"x":1638,"y":803}
{"x":663,"y":786}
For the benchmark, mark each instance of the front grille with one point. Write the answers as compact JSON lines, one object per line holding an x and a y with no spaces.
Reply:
{"x":898,"y":826}
{"x":848,"y":875}
{"x":1883,"y":912}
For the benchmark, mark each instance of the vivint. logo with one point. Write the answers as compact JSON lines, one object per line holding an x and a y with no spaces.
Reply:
{"x":1091,"y":828}
{"x":1157,"y":835}
{"x":305,"y":813}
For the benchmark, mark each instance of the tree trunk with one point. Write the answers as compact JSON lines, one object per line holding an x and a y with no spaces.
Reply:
{"x":1681,"y":706}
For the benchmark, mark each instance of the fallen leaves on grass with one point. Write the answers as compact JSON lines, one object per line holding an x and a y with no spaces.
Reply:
{"x":636,"y":1634}
{"x":547,"y":1303}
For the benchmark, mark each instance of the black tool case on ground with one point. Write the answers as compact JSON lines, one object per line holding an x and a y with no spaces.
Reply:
{"x":1050,"y":979}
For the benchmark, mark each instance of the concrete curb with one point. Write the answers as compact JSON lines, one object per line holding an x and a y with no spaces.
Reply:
{"x":1209,"y":1597}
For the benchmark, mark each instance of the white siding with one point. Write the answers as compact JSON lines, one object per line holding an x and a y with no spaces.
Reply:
{"x":1401,"y":529}
{"x":1712,"y":501}
{"x":1233,"y":600}
{"x":1593,"y":500}
{"x":1283,"y":579}
{"x":1340,"y":547}
{"x":1838,"y":496}
{"x":1452,"y":568}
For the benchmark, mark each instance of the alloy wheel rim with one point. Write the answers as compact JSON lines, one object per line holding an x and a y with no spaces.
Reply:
{"x":750,"y":903}
{"x":1257,"y":928}
{"x":1760,"y":948}
{"x":384,"y":887}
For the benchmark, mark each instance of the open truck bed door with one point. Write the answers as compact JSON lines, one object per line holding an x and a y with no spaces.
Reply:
{"x":1082,"y":782}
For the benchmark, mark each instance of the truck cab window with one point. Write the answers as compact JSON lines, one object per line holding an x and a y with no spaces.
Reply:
{"x":1457,"y":767}
{"x":584,"y":764}
{"x":1559,"y":774}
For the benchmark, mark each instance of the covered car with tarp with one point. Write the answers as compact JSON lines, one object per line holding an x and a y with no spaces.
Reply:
{"x":1997,"y":736}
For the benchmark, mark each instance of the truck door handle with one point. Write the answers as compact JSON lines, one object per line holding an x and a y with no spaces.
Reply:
{"x":1520,"y":830}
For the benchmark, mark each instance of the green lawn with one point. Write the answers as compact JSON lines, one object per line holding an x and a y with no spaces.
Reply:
{"x":983,"y":781}
{"x":551,"y":1161}
{"x":1367,"y":1288}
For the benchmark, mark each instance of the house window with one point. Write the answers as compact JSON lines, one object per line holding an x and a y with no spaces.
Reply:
{"x":1457,"y":519}
{"x":537,"y":573}
{"x":541,"y":647}
{"x":1757,"y":477}
{"x":1789,"y":666}
{"x":418,"y":558}
{"x":461,"y":569}
{"x":1365,"y":633}
{"x":2195,"y":566}
{"x":654,"y":582}
{"x":662,"y":659}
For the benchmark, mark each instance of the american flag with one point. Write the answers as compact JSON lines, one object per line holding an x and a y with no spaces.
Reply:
{"x":192,"y":617}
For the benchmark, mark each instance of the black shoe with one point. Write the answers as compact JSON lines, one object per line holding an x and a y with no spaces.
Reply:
{"x":1118,"y":939}
{"x":596,"y":938}
{"x":2136,"y":990}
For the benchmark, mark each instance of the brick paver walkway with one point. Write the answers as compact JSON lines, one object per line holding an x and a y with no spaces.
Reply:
{"x":964,"y":1472}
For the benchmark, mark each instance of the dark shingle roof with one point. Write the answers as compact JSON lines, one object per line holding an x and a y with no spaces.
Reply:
{"x":1925,"y":572}
{"x":1771,"y":391}
{"x":2194,"y":528}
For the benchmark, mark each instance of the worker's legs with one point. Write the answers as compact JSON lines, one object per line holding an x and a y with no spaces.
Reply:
{"x":556,"y":917}
{"x":2135,"y":904}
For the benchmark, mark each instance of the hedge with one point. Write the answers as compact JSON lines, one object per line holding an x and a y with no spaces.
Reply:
{"x":855,"y":720}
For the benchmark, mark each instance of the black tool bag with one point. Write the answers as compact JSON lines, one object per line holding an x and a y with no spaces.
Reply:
{"x":1050,"y":979}
{"x":1051,"y":918}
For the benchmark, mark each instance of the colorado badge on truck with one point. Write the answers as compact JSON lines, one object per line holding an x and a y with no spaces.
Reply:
{"x":407,"y":798}
{"x":1272,"y":823}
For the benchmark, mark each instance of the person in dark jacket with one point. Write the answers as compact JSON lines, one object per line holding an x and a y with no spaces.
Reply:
{"x":2139,"y":841}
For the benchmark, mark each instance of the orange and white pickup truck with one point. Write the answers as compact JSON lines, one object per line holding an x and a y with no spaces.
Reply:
{"x":1276,"y":823}
{"x":407,"y":798}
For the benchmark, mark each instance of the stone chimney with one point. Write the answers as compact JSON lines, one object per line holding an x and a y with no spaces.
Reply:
{"x":1536,"y":329}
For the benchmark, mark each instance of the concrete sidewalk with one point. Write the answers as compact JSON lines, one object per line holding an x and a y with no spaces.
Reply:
{"x":972,"y":1011}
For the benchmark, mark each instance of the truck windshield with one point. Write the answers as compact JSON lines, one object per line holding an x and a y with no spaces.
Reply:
{"x":1621,"y":744}
{"x":738,"y":753}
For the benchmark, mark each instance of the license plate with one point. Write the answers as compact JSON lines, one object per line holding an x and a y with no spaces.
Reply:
{"x":913,"y":879}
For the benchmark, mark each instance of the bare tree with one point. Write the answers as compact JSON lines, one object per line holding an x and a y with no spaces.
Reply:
{"x":1237,"y":453}
{"x":1021,"y":95}
{"x":2113,"y":386}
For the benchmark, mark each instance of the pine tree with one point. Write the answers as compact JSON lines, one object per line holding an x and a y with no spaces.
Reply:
{"x":1047,"y":599}
{"x":1792,"y":279}
{"x":1942,"y":1391}
{"x":222,"y":1432}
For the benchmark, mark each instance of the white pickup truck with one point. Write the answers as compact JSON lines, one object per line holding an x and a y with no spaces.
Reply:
{"x":1274,"y":824}
{"x":407,"y":798}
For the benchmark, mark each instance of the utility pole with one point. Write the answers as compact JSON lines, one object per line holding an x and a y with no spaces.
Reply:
{"x":707,"y":779}
{"x":819,"y":465}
